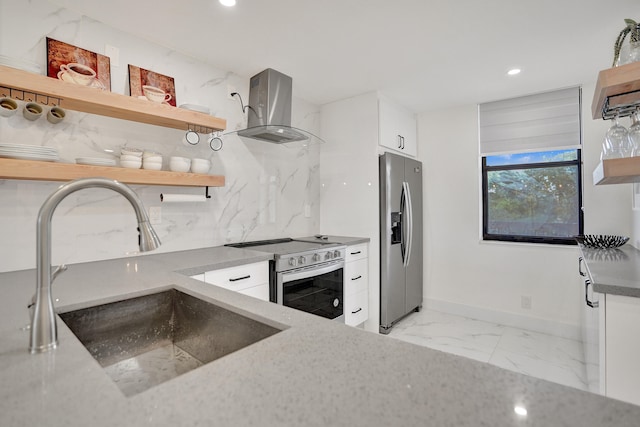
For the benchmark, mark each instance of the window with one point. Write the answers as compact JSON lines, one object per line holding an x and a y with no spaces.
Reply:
{"x":530,"y":149}
{"x":532,"y":197}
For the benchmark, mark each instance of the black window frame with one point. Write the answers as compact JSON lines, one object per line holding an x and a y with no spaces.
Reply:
{"x":530,"y":239}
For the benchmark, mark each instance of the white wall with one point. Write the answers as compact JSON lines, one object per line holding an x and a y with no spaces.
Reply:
{"x":486,"y":280}
{"x":349,"y":181}
{"x":267,"y":185}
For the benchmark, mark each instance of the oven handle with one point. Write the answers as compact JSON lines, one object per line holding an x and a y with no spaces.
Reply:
{"x":311,"y":271}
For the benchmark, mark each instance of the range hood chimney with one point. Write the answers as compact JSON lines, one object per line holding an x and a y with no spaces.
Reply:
{"x":269,"y":117}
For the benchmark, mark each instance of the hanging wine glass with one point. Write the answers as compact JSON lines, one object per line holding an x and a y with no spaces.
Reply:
{"x":634,"y":133}
{"x":618,"y":139}
{"x":606,"y":152}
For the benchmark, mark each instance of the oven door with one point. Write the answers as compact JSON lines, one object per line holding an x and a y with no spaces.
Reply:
{"x":316,"y":289}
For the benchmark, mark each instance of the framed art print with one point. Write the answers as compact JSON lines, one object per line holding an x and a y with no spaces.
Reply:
{"x":73,"y":64}
{"x":151,"y":86}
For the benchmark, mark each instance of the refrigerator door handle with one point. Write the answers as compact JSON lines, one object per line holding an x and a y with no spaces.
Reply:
{"x":403,"y":226}
{"x":408,"y":238}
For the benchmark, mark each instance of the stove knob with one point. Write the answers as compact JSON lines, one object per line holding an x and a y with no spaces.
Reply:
{"x":328,"y":255}
{"x":316,"y":257}
{"x":293,"y":262}
{"x":336,"y":254}
{"x":302,"y":260}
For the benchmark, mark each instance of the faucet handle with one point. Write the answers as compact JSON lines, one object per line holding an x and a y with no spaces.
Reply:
{"x":55,"y":273}
{"x":59,"y":269}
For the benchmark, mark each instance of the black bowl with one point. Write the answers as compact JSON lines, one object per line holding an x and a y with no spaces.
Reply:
{"x":601,"y":241}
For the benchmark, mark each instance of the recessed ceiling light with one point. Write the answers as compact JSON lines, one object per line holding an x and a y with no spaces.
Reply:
{"x":514,"y":71}
{"x":227,"y":3}
{"x":520,"y":410}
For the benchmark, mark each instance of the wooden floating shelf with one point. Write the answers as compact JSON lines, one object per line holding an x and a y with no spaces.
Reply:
{"x":52,"y":171}
{"x":618,"y":87}
{"x":26,"y":86}
{"x":617,"y":171}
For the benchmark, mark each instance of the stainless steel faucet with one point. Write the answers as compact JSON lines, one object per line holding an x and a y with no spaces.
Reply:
{"x":44,"y":331}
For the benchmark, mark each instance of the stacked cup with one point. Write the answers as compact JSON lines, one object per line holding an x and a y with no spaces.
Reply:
{"x":200,"y":165}
{"x":130,"y":158}
{"x":151,"y":160}
{"x":179,"y":164}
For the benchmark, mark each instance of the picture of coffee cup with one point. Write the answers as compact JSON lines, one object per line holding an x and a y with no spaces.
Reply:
{"x":155,"y":94}
{"x":79,"y":73}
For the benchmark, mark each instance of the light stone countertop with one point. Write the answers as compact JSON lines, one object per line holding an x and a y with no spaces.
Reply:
{"x":614,"y":271}
{"x":317,"y":372}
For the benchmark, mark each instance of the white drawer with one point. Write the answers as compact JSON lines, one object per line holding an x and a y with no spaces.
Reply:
{"x":356,"y":276}
{"x":239,"y":277}
{"x":260,"y":292}
{"x":356,"y":252}
{"x":356,"y":308}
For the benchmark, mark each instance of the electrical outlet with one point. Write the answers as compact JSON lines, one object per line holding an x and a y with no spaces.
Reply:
{"x":525,"y":302}
{"x":155,"y":215}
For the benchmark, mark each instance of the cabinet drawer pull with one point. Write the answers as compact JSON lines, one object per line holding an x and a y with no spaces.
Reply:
{"x":357,"y":311}
{"x":356,"y":253}
{"x":356,"y":278}
{"x":240,"y":278}
{"x":592,"y":304}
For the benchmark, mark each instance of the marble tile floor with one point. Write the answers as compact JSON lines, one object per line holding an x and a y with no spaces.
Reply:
{"x":552,"y":358}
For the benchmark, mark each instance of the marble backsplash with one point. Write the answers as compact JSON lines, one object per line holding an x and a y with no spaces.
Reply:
{"x":271,"y":190}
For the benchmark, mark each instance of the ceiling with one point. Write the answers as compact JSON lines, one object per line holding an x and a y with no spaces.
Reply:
{"x":424,"y":54}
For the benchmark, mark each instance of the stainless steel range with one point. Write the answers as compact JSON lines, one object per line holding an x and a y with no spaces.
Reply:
{"x":305,"y":275}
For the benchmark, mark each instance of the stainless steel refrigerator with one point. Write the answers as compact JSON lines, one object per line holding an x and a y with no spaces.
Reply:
{"x":400,"y":238}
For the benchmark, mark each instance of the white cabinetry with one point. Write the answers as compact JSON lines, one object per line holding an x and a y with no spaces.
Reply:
{"x":592,"y":328}
{"x":622,"y":348}
{"x":248,"y":279}
{"x":397,"y":128}
{"x":356,"y":285}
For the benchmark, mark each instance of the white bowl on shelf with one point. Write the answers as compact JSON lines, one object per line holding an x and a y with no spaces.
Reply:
{"x":179,"y":164}
{"x":130,"y":151}
{"x":200,"y":165}
{"x":154,"y":166}
{"x":154,"y":159}
{"x":131,"y":164}
{"x":129,"y":158}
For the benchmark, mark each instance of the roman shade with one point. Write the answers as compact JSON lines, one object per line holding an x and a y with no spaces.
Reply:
{"x":540,"y":122}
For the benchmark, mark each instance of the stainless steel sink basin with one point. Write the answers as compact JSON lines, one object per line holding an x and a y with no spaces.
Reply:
{"x":142,"y":342}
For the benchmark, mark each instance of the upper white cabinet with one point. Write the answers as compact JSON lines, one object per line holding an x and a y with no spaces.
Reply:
{"x":397,"y":128}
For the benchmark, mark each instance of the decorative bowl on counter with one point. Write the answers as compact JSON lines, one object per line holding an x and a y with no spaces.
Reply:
{"x":601,"y":241}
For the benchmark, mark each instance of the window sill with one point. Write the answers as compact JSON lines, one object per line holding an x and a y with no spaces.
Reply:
{"x":527,"y":244}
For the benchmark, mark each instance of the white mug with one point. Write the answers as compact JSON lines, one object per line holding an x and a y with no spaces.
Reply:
{"x":80,"y":73}
{"x":155,"y":94}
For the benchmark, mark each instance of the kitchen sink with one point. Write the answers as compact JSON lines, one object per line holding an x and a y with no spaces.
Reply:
{"x":144,"y":341}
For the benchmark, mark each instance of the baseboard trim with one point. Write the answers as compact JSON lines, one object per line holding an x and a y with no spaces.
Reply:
{"x":535,"y":324}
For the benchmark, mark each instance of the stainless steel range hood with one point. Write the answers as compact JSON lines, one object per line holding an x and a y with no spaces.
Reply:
{"x":269,"y":116}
